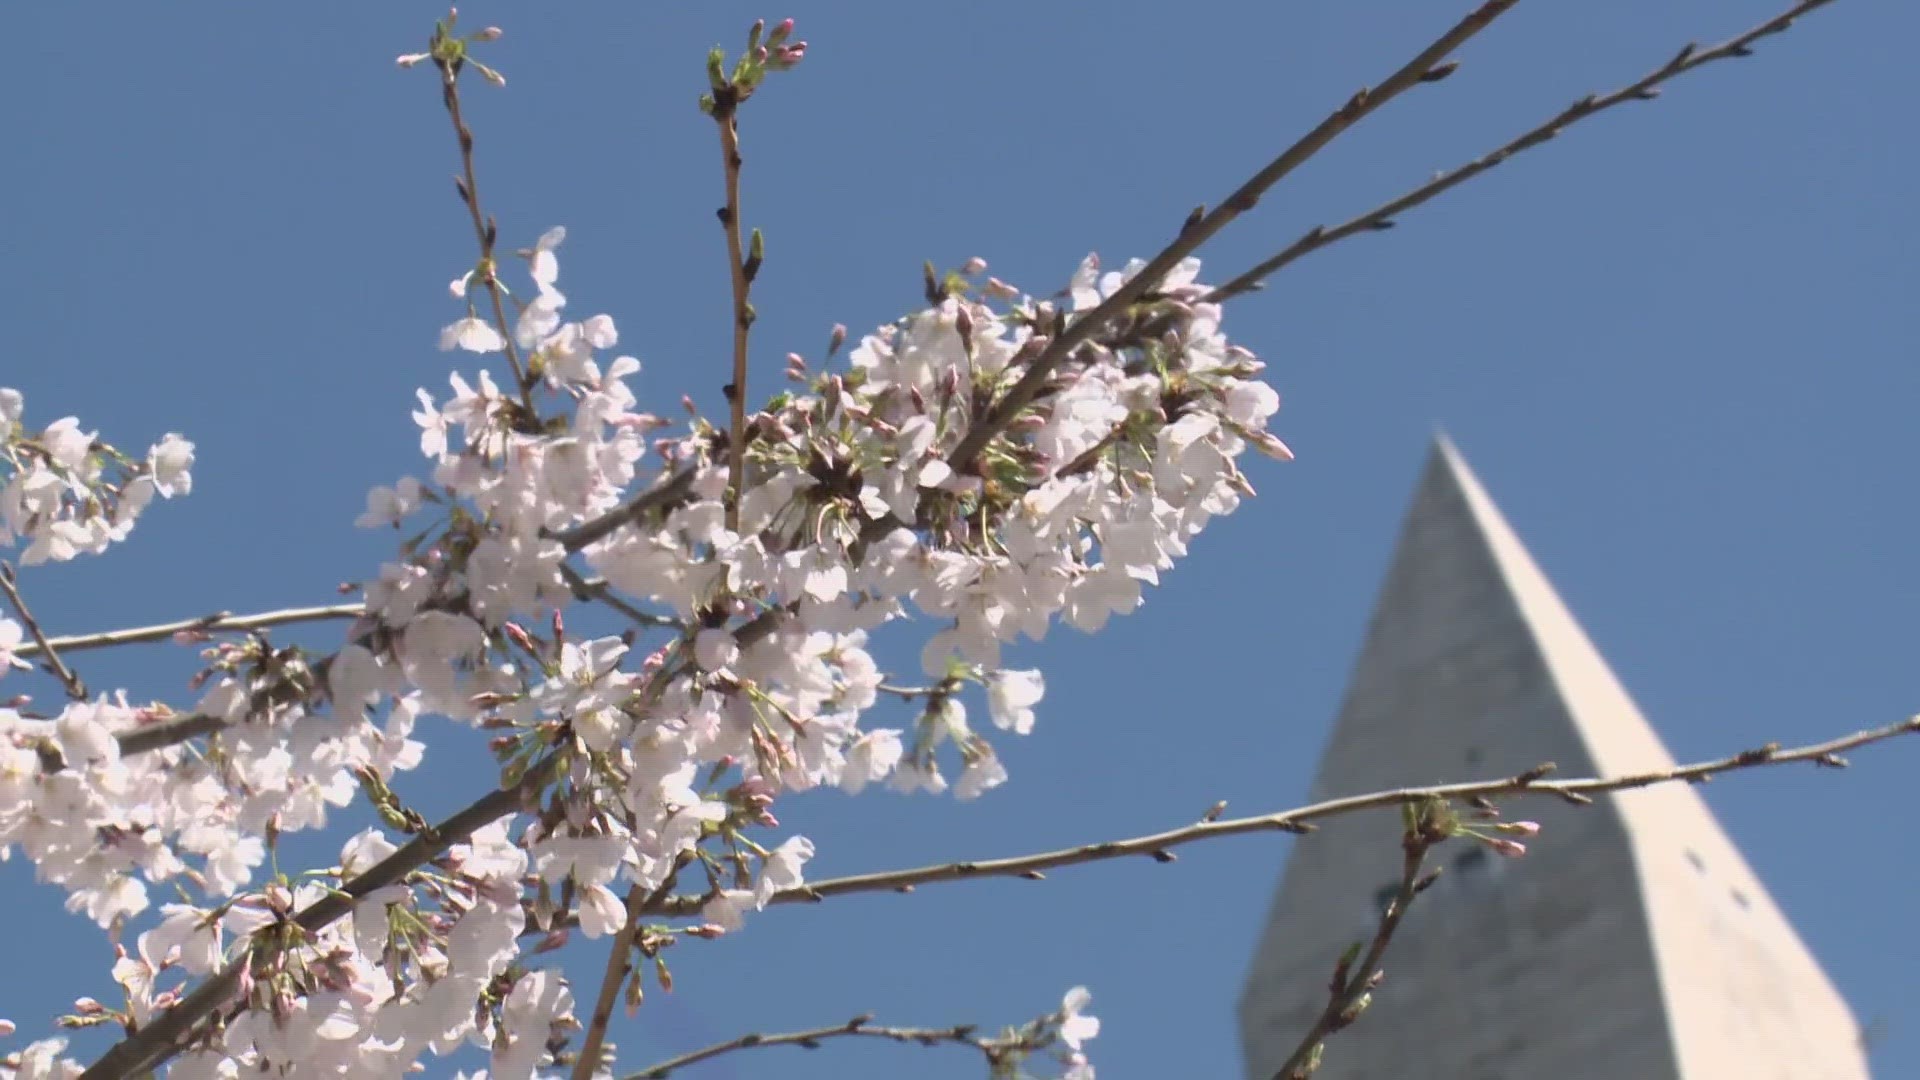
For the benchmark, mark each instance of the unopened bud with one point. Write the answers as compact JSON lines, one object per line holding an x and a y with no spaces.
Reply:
{"x":518,"y":636}
{"x":707,"y":931}
{"x":1000,"y":289}
{"x":1512,"y":849}
{"x":491,"y":33}
{"x":1519,"y":828}
{"x":837,"y":338}
{"x":975,"y":265}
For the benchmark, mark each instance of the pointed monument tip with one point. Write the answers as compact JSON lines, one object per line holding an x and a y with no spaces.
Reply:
{"x":1452,"y":465}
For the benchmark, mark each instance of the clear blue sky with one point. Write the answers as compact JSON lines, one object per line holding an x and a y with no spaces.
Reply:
{"x":1679,"y":345}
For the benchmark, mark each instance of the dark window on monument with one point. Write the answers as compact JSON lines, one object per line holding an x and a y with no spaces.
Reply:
{"x":1741,"y":899}
{"x":1698,"y":863}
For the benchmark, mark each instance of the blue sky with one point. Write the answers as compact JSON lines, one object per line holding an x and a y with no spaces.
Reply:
{"x":1678,"y":345}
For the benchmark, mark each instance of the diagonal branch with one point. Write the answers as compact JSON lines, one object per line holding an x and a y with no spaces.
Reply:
{"x":1158,"y":845}
{"x":1347,"y":991}
{"x":659,"y":495}
{"x":1204,"y":224}
{"x":1645,"y":89}
{"x":961,"y":1035}
{"x":585,"y":588}
{"x":619,"y":965}
{"x":167,"y":1033}
{"x":76,"y":689}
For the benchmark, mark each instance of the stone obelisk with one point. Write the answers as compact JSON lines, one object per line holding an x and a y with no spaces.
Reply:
{"x":1633,"y":940}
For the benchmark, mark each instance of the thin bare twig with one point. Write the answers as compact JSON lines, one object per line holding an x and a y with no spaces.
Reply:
{"x":961,"y":1035}
{"x":1347,"y":990}
{"x":1204,"y":224}
{"x":1645,"y":89}
{"x":222,"y":620}
{"x":485,"y":231}
{"x":167,"y":1033}
{"x":740,"y":278}
{"x":619,"y":966}
{"x":1159,"y":845}
{"x":42,"y":647}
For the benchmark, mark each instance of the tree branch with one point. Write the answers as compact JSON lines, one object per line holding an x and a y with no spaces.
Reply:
{"x":166,"y":1034}
{"x":962,"y":1035}
{"x":1347,"y":991}
{"x":1645,"y":89}
{"x":1158,"y":845}
{"x":740,"y":279}
{"x":619,"y":965}
{"x":76,"y":689}
{"x":222,"y":620}
{"x":598,"y":589}
{"x":659,"y":495}
{"x":485,"y":231}
{"x":1204,"y":224}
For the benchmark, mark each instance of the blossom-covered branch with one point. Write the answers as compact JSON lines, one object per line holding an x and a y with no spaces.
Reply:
{"x":167,"y":1033}
{"x":1159,"y":845}
{"x":1646,"y":88}
{"x":1203,"y":224}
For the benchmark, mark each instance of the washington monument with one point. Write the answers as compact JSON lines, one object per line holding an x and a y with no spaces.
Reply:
{"x":1632,"y":941}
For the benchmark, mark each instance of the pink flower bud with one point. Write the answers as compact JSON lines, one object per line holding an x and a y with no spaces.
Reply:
{"x":1519,"y":828}
{"x":491,"y":33}
{"x":837,"y":338}
{"x":1512,"y":849}
{"x":518,"y":636}
{"x":975,"y":265}
{"x":410,"y":59}
{"x":1000,"y":289}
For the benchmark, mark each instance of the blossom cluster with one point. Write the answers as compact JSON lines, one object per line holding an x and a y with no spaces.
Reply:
{"x":639,"y":763}
{"x":66,"y":493}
